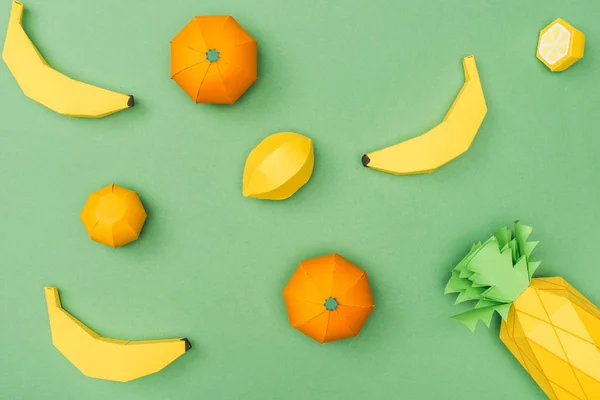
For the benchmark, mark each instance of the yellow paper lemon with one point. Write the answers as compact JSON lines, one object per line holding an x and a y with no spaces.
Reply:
{"x":560,"y":45}
{"x":113,"y":216}
{"x":279,"y":166}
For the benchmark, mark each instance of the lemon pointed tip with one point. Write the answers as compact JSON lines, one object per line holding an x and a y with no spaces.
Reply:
{"x":131,"y":101}
{"x":188,"y":345}
{"x":248,"y":191}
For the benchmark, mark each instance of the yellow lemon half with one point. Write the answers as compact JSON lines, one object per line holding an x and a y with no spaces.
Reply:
{"x":560,"y":45}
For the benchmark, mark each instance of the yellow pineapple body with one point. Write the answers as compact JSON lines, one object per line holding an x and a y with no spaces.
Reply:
{"x":554,"y":332}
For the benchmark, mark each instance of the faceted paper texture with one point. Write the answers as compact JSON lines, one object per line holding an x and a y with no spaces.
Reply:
{"x":113,"y":216}
{"x":100,"y":357}
{"x":328,"y":298}
{"x":554,"y":332}
{"x":214,"y":60}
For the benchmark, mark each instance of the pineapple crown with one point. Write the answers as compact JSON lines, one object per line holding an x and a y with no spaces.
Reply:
{"x":493,"y":274}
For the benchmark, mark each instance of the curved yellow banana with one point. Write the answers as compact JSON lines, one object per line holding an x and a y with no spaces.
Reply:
{"x":445,"y":142}
{"x":104,"y":358}
{"x":49,"y":87}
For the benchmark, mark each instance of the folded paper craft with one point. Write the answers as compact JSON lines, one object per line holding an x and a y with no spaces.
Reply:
{"x":113,"y":216}
{"x":47,"y":86}
{"x":550,"y":328}
{"x":560,"y":45}
{"x":328,"y":298}
{"x":213,"y":59}
{"x":279,"y":166}
{"x":105,"y":358}
{"x":442,"y":144}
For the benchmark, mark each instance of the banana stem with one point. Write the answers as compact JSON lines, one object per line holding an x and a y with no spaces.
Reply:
{"x":52,"y":297}
{"x":16,"y":12}
{"x":470,"y":68}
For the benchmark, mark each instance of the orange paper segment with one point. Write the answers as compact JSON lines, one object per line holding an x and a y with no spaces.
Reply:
{"x":337,"y":328}
{"x":301,"y":311}
{"x":358,"y":295}
{"x":301,"y":287}
{"x":320,"y":270}
{"x":187,"y":58}
{"x":230,"y":76}
{"x":211,"y":29}
{"x":316,"y":328}
{"x":234,"y":35}
{"x":187,"y":78}
{"x":346,"y":275}
{"x":191,"y":37}
{"x":212,"y":88}
{"x":229,"y":50}
{"x":328,"y":298}
{"x":355,"y":317}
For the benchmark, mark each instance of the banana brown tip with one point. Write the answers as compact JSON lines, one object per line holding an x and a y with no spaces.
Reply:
{"x":131,"y":101}
{"x":188,"y":345}
{"x":366,"y":160}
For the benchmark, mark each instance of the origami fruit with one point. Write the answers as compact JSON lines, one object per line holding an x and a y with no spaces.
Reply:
{"x":550,"y":328}
{"x":49,"y":87}
{"x":213,"y":59}
{"x":445,"y":142}
{"x":279,"y":166}
{"x":560,"y":45}
{"x":104,"y":358}
{"x":328,"y":298}
{"x":113,"y":216}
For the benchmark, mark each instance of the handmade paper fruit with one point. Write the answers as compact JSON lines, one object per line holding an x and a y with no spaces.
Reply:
{"x":560,"y":45}
{"x":328,"y":298}
{"x":113,"y":216}
{"x":49,"y":87}
{"x":279,"y":166}
{"x":550,"y":328}
{"x":445,"y":142}
{"x":213,"y":59}
{"x":105,"y":358}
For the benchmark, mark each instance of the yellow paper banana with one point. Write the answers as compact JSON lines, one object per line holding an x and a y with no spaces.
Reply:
{"x":445,"y":142}
{"x":104,"y":358}
{"x":49,"y":87}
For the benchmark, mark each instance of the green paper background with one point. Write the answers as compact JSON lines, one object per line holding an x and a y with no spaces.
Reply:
{"x":211,"y":264}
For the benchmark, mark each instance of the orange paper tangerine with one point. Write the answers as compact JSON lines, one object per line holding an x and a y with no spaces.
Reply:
{"x":113,"y":216}
{"x":213,"y":59}
{"x":328,"y":298}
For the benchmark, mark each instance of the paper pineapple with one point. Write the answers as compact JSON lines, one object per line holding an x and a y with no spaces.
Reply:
{"x":550,"y":328}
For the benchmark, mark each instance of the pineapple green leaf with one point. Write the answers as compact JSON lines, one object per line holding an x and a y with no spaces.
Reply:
{"x":522,"y":232}
{"x":503,"y":311}
{"x":463,"y":287}
{"x":494,"y":274}
{"x":503,"y":236}
{"x":472,"y":317}
{"x":496,"y":270}
{"x":486,"y":303}
{"x":512,"y":245}
{"x":501,"y":308}
{"x":532,"y":266}
{"x":469,"y":294}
